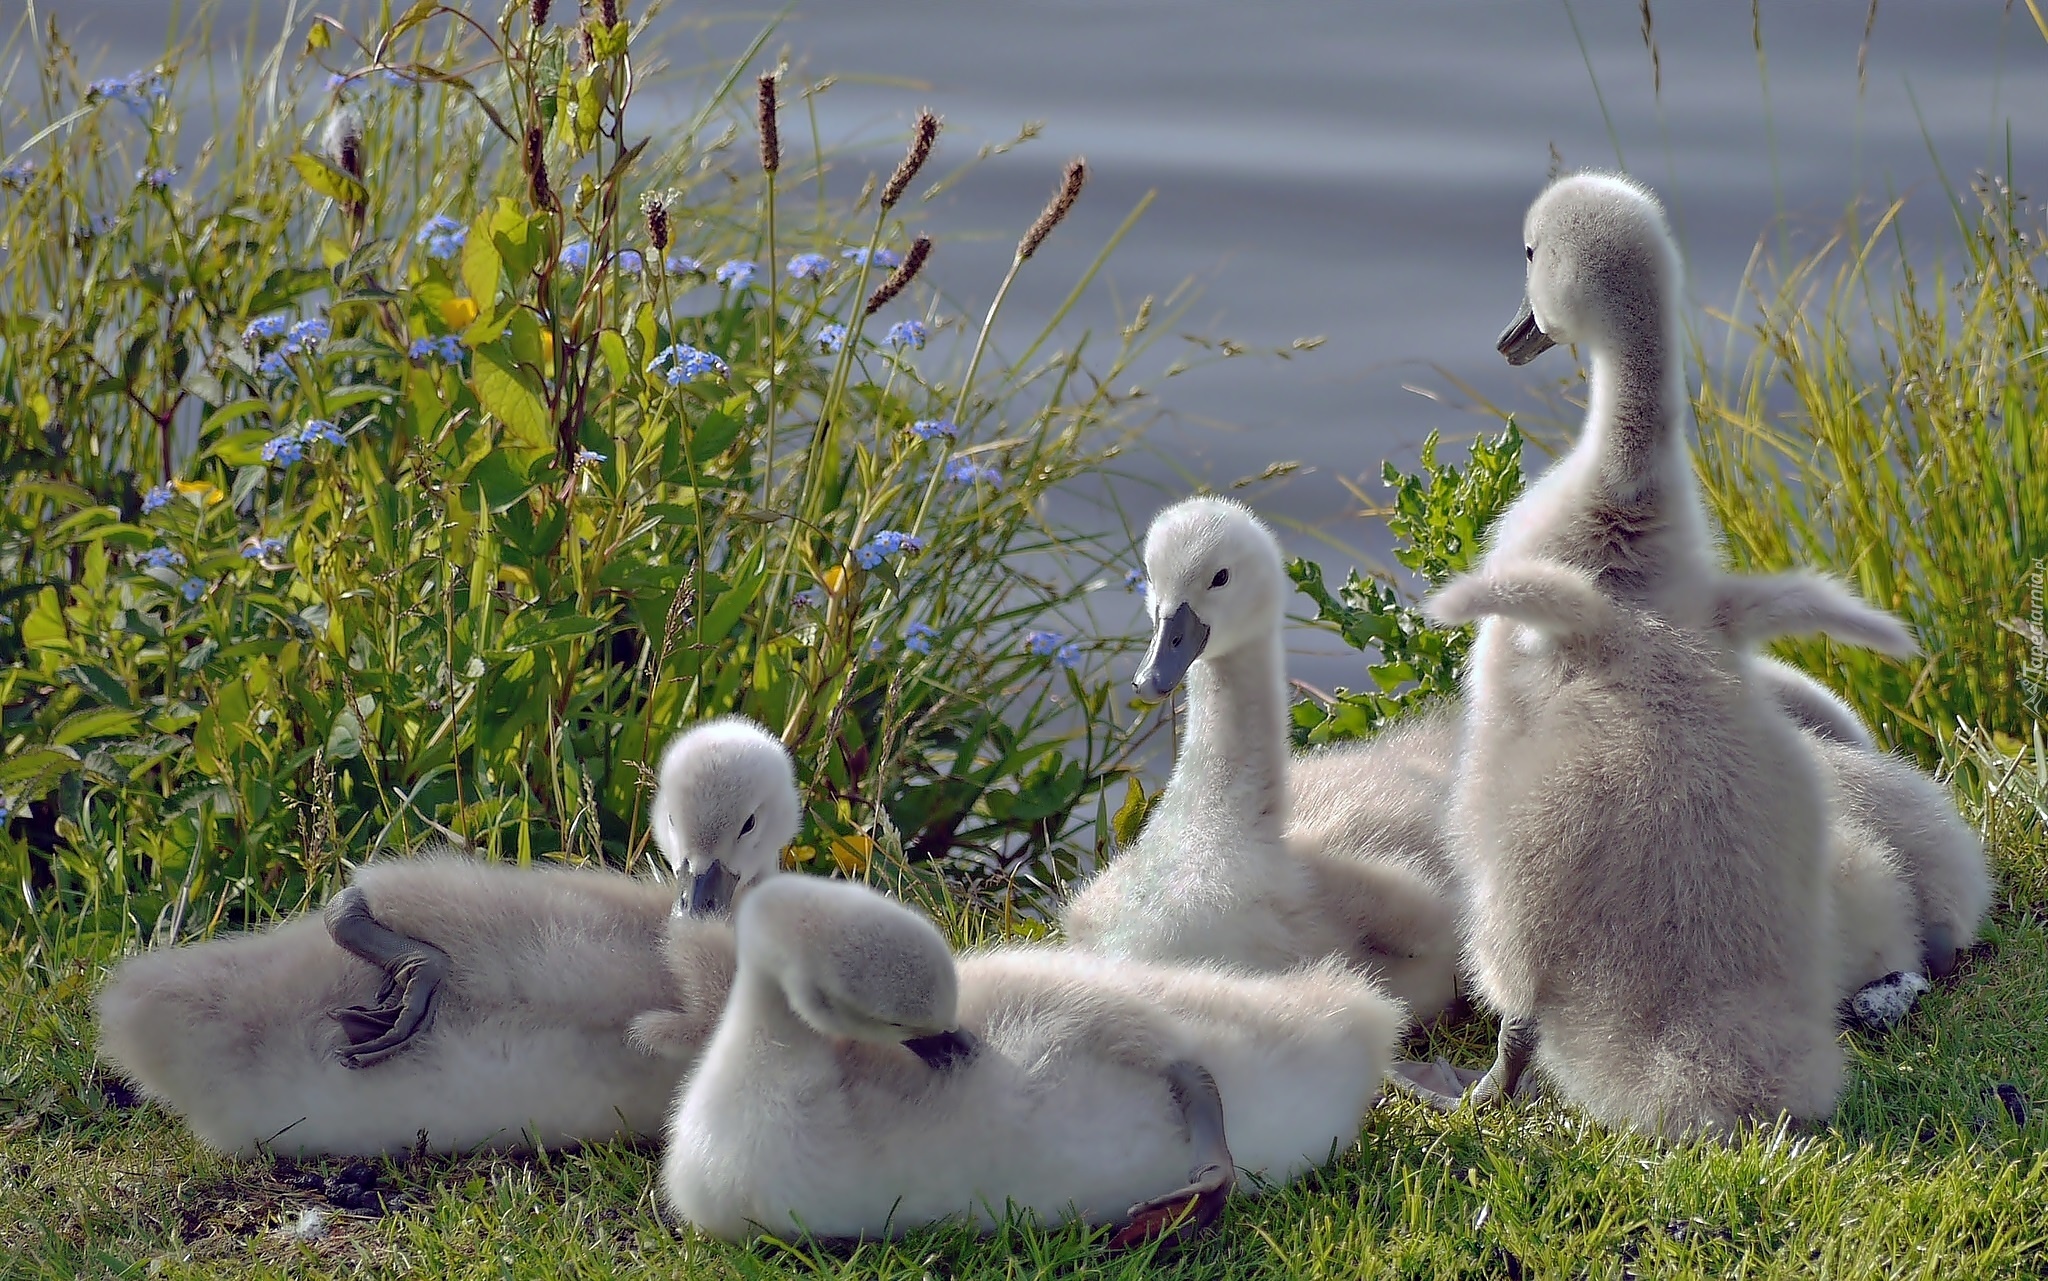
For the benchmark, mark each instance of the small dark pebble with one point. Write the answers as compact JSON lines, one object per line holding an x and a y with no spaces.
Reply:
{"x":2015,"y":1103}
{"x":360,"y":1173}
{"x":1504,"y":1263}
{"x":1929,"y":1131}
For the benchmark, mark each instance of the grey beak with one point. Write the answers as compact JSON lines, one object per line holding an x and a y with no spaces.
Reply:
{"x":944,"y":1051}
{"x":1178,"y":643}
{"x":1522,"y":342}
{"x":712,"y":889}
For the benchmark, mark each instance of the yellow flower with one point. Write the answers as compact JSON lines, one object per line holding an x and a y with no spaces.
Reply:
{"x":797,"y":855}
{"x":207,"y":495}
{"x":458,"y":313}
{"x":852,"y":854}
{"x":834,"y":579}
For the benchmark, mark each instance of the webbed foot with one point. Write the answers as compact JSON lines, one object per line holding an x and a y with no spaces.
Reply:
{"x":413,"y":973}
{"x":1437,"y":1084}
{"x":1884,"y":1003}
{"x":1186,"y":1213}
{"x":1938,"y":952}
{"x":1512,"y":1055}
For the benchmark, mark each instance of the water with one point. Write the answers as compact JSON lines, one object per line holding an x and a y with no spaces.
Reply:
{"x":1358,"y":171}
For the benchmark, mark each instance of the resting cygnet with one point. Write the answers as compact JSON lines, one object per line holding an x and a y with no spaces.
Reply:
{"x":1214,"y":876}
{"x":861,"y":1083}
{"x":1644,"y":834}
{"x":486,"y":1005}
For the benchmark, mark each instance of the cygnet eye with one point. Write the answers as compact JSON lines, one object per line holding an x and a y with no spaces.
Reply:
{"x":747,"y":826}
{"x":1222,"y":577}
{"x":1529,"y":251}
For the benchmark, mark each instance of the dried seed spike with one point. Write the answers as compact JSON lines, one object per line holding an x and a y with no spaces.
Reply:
{"x":538,"y":11}
{"x":608,"y":13}
{"x":913,"y":262}
{"x":537,"y":189}
{"x":656,"y":209}
{"x":1056,"y":210}
{"x":922,"y":136}
{"x":771,"y":136}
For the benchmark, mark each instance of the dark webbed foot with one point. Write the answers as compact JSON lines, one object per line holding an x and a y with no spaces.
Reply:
{"x":413,"y":972}
{"x":1186,"y":1213}
{"x":1515,"y":1050}
{"x":1938,"y":952}
{"x":944,"y":1051}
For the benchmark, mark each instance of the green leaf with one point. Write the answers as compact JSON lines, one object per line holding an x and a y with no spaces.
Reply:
{"x":481,"y":264}
{"x":1130,"y":816}
{"x":539,"y":632}
{"x":226,"y":414}
{"x":513,"y":396}
{"x":518,"y":238}
{"x":613,"y":348}
{"x":98,"y":682}
{"x":99,"y":722}
{"x":44,"y":626}
{"x":329,"y":180}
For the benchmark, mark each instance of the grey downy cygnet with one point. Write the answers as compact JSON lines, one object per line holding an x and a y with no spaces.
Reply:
{"x":1216,"y":875}
{"x":1645,"y":837}
{"x":863,"y":1082}
{"x":489,"y":1006}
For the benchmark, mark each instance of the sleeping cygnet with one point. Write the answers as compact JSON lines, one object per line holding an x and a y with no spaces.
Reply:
{"x":1216,"y":875}
{"x":863,"y":1083}
{"x":486,"y":1005}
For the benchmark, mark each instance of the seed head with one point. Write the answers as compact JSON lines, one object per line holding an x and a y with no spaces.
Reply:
{"x":771,"y":137}
{"x":656,"y":209}
{"x":922,"y":136}
{"x":538,"y":11}
{"x":537,"y":189}
{"x":913,"y":262}
{"x":608,"y":13}
{"x":1056,"y":210}
{"x":344,"y":141}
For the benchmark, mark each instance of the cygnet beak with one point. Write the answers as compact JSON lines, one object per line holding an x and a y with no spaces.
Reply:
{"x":944,"y":1051}
{"x":1522,"y":342}
{"x":1178,"y":643}
{"x":711,"y":891}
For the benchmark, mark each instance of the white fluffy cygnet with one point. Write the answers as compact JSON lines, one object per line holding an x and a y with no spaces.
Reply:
{"x":1216,"y":875}
{"x":862,"y":1083}
{"x":486,"y":1005}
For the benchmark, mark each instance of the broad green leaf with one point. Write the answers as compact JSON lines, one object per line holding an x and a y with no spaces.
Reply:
{"x":481,"y":264}
{"x":512,"y":396}
{"x":1130,"y":816}
{"x":99,"y":722}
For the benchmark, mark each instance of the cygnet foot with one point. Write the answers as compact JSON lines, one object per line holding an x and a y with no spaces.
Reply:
{"x":944,"y":1051}
{"x":1437,"y":1084}
{"x":1884,"y":1004}
{"x":1938,"y":952}
{"x":1186,"y":1213}
{"x":1516,"y":1048}
{"x":413,"y":972}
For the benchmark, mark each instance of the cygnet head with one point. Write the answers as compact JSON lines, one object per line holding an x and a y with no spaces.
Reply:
{"x":851,"y":962}
{"x":1602,"y":267}
{"x":725,"y":805}
{"x":1214,"y":582}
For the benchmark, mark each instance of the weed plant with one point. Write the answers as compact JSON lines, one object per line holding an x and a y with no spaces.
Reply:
{"x":410,"y":456}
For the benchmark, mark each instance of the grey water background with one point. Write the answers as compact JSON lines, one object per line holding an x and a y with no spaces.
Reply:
{"x":1356,"y":170}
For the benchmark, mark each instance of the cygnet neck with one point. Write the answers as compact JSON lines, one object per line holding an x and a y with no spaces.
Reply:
{"x":1637,"y":404}
{"x":1237,"y":733}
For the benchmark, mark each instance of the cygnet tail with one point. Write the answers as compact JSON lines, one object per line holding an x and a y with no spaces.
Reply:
{"x":1754,"y":608}
{"x":1550,"y":597}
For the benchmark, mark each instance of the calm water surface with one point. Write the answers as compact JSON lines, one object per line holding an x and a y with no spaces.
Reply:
{"x":1357,"y":171}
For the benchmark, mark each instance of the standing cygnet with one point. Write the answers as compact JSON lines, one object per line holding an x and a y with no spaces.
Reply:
{"x":486,"y":1005}
{"x":1644,"y":839}
{"x":862,"y":1084}
{"x":1215,"y":876}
